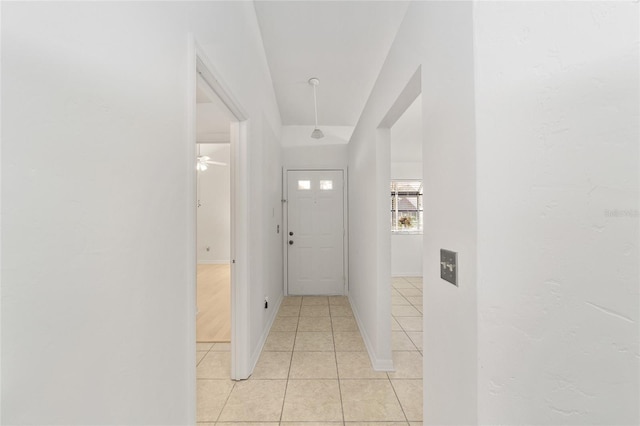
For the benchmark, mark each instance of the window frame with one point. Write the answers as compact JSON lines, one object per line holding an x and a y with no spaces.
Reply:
{"x":395,"y":229}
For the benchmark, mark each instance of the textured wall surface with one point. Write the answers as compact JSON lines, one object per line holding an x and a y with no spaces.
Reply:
{"x":557,"y":113}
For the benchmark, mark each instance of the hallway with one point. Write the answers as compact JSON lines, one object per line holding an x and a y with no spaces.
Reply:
{"x":315,"y":368}
{"x":529,"y":159}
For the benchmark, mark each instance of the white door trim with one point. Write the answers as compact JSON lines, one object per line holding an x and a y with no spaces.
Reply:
{"x":382,"y":356}
{"x":285,"y":219}
{"x":199,"y":66}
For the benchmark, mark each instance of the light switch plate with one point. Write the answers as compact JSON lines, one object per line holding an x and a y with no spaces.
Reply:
{"x":449,"y":266}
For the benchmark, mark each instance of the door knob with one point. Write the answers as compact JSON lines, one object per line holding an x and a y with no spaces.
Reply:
{"x":290,"y":242}
{"x":291,"y":233}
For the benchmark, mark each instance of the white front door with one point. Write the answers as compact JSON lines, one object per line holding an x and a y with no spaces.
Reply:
{"x":315,"y":232}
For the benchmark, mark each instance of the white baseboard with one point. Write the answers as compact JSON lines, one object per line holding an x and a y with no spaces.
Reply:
{"x":214,"y":262}
{"x":378,"y":364}
{"x":406,"y":274}
{"x":263,"y":338}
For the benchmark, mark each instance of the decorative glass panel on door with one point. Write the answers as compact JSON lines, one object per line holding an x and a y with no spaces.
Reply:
{"x":304,"y":185}
{"x":326,"y":185}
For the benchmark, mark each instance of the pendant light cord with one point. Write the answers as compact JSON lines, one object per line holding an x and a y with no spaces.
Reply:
{"x":315,"y":104}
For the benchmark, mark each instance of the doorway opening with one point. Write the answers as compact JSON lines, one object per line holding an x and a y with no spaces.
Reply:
{"x":406,"y":192}
{"x":218,"y":131}
{"x":401,"y":234}
{"x":213,"y":235}
{"x":401,"y":240}
{"x":406,"y":241}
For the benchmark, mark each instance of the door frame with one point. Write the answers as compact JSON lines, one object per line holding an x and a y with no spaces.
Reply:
{"x":345,"y":219}
{"x":382,"y":359}
{"x":199,"y":66}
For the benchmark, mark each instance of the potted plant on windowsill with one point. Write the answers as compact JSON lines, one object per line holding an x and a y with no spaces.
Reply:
{"x":405,"y":222}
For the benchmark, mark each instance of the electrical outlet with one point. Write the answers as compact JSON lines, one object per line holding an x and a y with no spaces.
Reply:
{"x":449,"y":266}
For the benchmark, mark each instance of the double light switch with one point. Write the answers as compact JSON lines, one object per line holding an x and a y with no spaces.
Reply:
{"x":449,"y":266}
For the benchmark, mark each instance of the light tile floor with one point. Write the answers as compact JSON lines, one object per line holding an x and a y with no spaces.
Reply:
{"x":315,"y":368}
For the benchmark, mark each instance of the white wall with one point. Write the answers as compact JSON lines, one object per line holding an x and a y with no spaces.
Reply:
{"x":94,"y":204}
{"x":406,"y":136}
{"x":406,"y":170}
{"x":299,"y":150}
{"x":558,"y":308}
{"x":266,"y":276}
{"x":321,"y":157}
{"x":406,"y":255}
{"x":438,"y":37}
{"x":214,"y":213}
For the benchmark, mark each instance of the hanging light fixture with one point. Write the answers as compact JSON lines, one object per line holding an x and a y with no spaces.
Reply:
{"x":317,"y":133}
{"x":203,"y":162}
{"x":202,"y":165}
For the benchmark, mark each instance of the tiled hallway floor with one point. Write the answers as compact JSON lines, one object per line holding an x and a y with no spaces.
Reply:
{"x":315,"y":368}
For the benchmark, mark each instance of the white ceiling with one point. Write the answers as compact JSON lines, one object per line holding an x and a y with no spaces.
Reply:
{"x":343,"y":43}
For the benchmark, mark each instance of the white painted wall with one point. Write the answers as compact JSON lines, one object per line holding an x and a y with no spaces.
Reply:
{"x":212,"y":117}
{"x":557,"y":121}
{"x":214,"y":213}
{"x":406,"y":136}
{"x":300,"y":150}
{"x":94,"y":204}
{"x":317,"y":156}
{"x":406,"y":170}
{"x":406,"y":255}
{"x":264,"y":240}
{"x":450,"y":361}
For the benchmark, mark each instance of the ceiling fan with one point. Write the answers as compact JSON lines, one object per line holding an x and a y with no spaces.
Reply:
{"x":203,"y":162}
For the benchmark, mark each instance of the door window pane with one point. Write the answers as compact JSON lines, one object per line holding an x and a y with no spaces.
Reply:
{"x":326,"y":185}
{"x":304,"y":185}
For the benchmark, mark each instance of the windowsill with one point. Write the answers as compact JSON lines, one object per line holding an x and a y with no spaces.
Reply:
{"x":408,"y":232}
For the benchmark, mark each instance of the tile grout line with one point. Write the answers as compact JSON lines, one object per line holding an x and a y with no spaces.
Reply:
{"x":389,"y":378}
{"x":197,"y":378}
{"x":419,"y":351}
{"x":205,"y":355}
{"x":335,"y":356}
{"x":296,"y":331}
{"x":286,"y":386}
{"x":226,"y":401}
{"x":398,"y":399}
{"x":408,"y":337}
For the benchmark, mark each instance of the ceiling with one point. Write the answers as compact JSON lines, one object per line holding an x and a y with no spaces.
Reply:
{"x":342,"y":43}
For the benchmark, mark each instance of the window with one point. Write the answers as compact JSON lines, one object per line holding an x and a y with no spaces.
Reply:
{"x":304,"y":185}
{"x":406,"y":206}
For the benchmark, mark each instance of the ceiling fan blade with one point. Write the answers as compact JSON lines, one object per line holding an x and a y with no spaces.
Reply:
{"x":217,"y":163}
